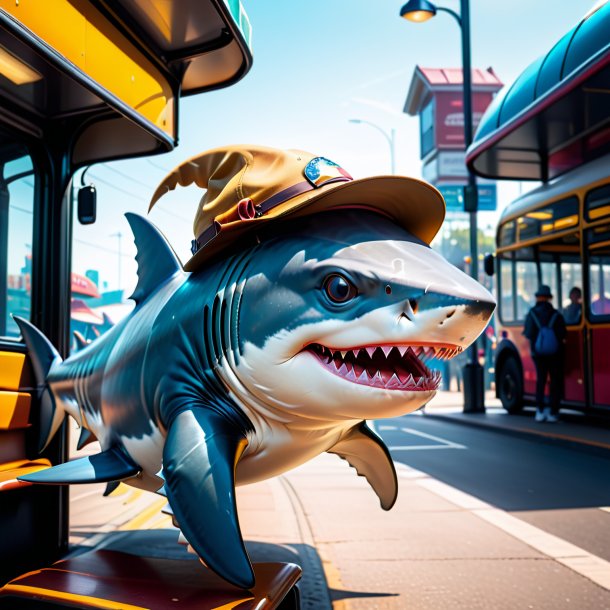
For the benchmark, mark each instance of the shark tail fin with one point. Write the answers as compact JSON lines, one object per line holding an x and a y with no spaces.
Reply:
{"x":44,"y":358}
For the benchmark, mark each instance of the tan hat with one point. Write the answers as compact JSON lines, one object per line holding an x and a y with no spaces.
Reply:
{"x":250,"y":186}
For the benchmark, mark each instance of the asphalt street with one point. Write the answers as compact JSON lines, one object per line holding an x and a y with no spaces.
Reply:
{"x":560,"y":490}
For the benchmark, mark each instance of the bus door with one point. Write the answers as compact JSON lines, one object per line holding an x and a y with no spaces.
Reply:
{"x":597,"y":305}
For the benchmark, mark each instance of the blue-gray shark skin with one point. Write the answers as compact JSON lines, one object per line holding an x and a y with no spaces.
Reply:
{"x":257,"y":363}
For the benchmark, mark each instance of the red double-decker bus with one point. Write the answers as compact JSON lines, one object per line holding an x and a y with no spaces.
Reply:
{"x":552,"y":125}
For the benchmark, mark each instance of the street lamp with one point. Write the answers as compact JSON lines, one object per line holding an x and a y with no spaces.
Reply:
{"x":418,"y":11}
{"x":389,"y":137}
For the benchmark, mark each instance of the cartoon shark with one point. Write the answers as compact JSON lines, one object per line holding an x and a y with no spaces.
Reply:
{"x":256,"y":364}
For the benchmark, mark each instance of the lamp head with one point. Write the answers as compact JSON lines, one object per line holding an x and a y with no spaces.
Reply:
{"x":418,"y":10}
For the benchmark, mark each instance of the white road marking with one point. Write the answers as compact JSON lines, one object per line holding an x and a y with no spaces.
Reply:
{"x":387,"y":428}
{"x":573,"y":557}
{"x":441,"y":443}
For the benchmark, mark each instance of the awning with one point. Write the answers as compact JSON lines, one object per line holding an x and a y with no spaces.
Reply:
{"x":81,"y":312}
{"x":556,"y":115}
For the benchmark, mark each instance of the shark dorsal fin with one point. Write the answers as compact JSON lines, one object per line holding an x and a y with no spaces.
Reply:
{"x":156,"y":260}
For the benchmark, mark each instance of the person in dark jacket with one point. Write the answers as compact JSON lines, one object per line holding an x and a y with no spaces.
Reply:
{"x":544,"y":315}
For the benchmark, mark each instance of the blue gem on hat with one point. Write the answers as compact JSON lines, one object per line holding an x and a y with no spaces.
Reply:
{"x":320,"y":171}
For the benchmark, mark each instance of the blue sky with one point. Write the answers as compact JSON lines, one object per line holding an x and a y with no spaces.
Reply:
{"x":316,"y":65}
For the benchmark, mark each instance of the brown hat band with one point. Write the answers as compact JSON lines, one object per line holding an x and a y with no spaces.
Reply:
{"x":245,"y":211}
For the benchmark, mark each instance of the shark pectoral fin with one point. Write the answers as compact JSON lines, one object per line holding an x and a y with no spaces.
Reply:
{"x":201,"y":451}
{"x":366,"y":452}
{"x":110,"y":465}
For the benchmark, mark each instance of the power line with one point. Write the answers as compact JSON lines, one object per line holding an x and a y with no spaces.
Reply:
{"x":97,"y":247}
{"x":127,"y":176}
{"x":15,"y":207}
{"x":122,"y":190}
{"x":167,"y":171}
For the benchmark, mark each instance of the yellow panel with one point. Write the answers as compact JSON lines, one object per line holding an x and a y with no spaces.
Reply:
{"x":79,"y":33}
{"x":14,"y":410}
{"x":11,"y":369}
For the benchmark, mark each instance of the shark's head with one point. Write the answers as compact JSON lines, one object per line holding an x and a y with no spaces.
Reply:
{"x":338,"y":315}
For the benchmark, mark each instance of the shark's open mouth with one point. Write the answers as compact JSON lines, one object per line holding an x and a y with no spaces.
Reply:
{"x":393,"y":367}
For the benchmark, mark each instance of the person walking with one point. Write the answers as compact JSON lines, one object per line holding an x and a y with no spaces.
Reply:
{"x":545,"y":328}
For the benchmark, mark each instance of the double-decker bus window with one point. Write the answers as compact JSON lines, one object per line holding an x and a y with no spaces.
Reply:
{"x":16,"y":222}
{"x":571,"y":286}
{"x":598,"y":240}
{"x":599,"y":285}
{"x":548,"y":275}
{"x":527,"y":284}
{"x":506,"y":234}
{"x":597,"y":203}
{"x":507,"y":311}
{"x":550,"y":219}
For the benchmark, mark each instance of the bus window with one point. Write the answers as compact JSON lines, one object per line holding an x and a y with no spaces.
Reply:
{"x":548,"y":274}
{"x":597,"y":203}
{"x":599,"y":285}
{"x":598,"y":241}
{"x":16,"y":222}
{"x":571,"y":291}
{"x":507,"y":313}
{"x":527,"y":284}
{"x":545,"y":221}
{"x":506,"y":234}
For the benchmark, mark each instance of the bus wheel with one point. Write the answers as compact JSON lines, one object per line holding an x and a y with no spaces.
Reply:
{"x":510,"y":386}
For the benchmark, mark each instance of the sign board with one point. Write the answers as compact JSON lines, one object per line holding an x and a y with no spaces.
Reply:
{"x":449,"y":117}
{"x":454,"y":196}
{"x":445,"y":165}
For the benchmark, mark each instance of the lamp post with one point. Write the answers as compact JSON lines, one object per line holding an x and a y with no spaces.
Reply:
{"x":390,"y":138}
{"x":419,"y":11}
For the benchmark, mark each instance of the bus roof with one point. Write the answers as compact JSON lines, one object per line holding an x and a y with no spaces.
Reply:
{"x":110,"y":73}
{"x":554,"y":117}
{"x":558,"y":188}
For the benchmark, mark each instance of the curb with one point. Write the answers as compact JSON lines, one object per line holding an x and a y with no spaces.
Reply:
{"x":592,"y":447}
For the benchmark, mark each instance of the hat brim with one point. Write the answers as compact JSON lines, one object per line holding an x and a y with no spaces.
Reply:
{"x":413,"y":204}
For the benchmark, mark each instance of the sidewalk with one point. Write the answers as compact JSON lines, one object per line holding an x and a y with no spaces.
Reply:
{"x":438,"y":548}
{"x":573,"y":429}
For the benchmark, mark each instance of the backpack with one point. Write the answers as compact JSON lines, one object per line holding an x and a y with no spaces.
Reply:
{"x":547,"y":343}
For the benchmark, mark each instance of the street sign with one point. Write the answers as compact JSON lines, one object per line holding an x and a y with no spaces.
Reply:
{"x":454,"y":197}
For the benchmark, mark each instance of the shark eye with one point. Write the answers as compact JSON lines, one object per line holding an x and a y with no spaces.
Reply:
{"x":339,"y":289}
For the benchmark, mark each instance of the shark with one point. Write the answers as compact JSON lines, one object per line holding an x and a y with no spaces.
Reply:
{"x":270,"y":355}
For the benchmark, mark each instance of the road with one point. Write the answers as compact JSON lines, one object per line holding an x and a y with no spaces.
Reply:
{"x":563,"y":491}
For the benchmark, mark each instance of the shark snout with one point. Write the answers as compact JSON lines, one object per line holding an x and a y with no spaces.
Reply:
{"x":447,"y":318}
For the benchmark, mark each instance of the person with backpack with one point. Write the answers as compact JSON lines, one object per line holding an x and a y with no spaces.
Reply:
{"x":545,"y":327}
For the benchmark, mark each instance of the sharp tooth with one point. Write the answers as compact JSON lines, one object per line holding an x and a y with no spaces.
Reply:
{"x":418,"y":350}
{"x":386,"y":349}
{"x":342,"y":370}
{"x":363,"y":377}
{"x":420,"y":381}
{"x":409,"y":381}
{"x":182,"y":539}
{"x":394,"y":382}
{"x":378,"y":379}
{"x":371,"y":351}
{"x":343,"y":354}
{"x":402,"y":349}
{"x":351,"y":375}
